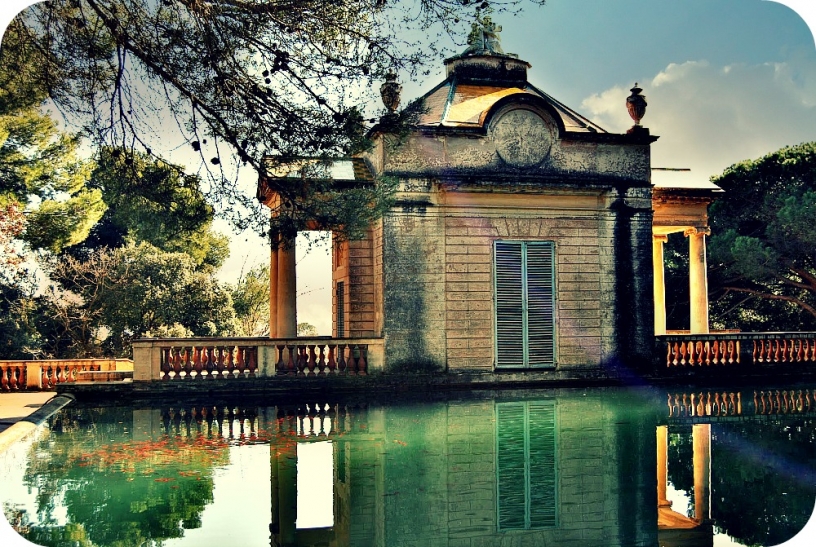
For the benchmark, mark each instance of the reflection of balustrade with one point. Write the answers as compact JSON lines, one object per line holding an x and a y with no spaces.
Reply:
{"x":731,"y":403}
{"x":728,"y":350}
{"x":312,"y":421}
{"x":47,"y":374}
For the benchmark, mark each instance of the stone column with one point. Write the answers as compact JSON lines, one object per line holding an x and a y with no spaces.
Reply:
{"x":698,"y":280}
{"x":659,"y":284}
{"x":662,"y":465}
{"x":287,"y":291}
{"x":273,"y":291}
{"x":701,"y":443}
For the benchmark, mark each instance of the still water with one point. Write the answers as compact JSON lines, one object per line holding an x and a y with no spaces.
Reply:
{"x":548,"y":467}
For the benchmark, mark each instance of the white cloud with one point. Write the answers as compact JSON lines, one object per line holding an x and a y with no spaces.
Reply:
{"x":710,"y":117}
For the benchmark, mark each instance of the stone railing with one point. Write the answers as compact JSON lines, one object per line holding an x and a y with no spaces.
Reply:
{"x":184,"y":359}
{"x":47,"y":374}
{"x":725,"y":403}
{"x":735,"y":349}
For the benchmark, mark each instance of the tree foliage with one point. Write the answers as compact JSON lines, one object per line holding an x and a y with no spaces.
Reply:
{"x":250,"y":298}
{"x":242,"y":80}
{"x":763,"y":244}
{"x":41,"y":173}
{"x":151,"y":201}
{"x":115,"y":295}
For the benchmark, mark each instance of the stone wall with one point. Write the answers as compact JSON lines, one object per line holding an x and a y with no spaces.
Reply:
{"x":438,"y":276}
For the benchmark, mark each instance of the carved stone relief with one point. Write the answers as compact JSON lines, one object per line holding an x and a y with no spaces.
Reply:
{"x":522,"y":138}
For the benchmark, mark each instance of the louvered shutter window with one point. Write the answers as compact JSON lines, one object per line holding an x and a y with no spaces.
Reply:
{"x":526,"y":465}
{"x":525,"y":304}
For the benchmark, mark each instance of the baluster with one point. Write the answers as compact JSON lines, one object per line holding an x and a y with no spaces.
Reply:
{"x":291,"y":363}
{"x":352,"y":360}
{"x":311,"y":411}
{"x":321,"y":361}
{"x":13,"y":380}
{"x":669,"y":404}
{"x":232,"y":365}
{"x":754,"y":354}
{"x":807,"y":400}
{"x":362,"y":364}
{"x":311,"y":363}
{"x":321,"y":420}
{"x":187,"y":363}
{"x":44,"y":380}
{"x":331,"y":364}
{"x":211,"y":363}
{"x":668,"y":354}
{"x":176,"y":363}
{"x":798,"y":352}
{"x":786,"y":400}
{"x":252,"y":366}
{"x":686,"y":404}
{"x":240,"y":362}
{"x":301,"y":416}
{"x":342,"y":365}
{"x":707,"y":352}
{"x":164,"y":365}
{"x":716,"y":408}
{"x":197,"y":364}
{"x":280,"y":366}
{"x":776,"y":402}
{"x":799,"y":402}
{"x":4,"y":383}
{"x":302,"y":359}
{"x":683,"y":351}
{"x":331,"y":414}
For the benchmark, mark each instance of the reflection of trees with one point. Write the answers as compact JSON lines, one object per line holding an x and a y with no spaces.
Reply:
{"x":119,"y":492}
{"x":681,"y":466}
{"x":765,"y":492}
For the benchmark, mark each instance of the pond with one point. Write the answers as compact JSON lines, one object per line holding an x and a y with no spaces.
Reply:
{"x":612,"y":466}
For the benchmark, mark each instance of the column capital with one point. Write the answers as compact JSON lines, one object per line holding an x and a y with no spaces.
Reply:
{"x":662,"y":238}
{"x":697,"y":231}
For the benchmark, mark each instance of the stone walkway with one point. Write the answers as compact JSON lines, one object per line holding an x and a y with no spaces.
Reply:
{"x":15,"y":406}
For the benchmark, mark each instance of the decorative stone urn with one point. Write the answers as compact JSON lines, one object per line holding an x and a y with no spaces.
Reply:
{"x":636,"y":104}
{"x":390,"y":92}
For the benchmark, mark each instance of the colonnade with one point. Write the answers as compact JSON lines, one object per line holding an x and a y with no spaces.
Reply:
{"x":698,"y":280}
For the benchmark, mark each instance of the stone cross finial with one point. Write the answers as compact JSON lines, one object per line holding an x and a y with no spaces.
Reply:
{"x":484,"y":38}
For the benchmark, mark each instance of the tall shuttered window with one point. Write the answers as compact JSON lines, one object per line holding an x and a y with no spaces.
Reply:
{"x":526,"y":465}
{"x":524,"y":280}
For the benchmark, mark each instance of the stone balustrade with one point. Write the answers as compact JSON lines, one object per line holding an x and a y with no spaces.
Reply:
{"x":47,"y":374}
{"x":207,"y":359}
{"x":736,"y":349}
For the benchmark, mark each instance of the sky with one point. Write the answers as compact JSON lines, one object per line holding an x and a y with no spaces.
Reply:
{"x":725,"y":80}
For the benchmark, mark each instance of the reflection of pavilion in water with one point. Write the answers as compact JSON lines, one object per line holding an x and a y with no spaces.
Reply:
{"x":560,"y":471}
